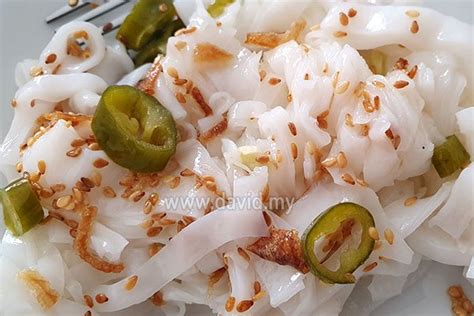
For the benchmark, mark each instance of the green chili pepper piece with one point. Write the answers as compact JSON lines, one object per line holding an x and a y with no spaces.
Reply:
{"x":330,"y":222}
{"x":134,"y":129}
{"x":218,"y":7}
{"x":449,"y":156}
{"x":21,"y":207}
{"x":146,"y":19}
{"x":158,"y":45}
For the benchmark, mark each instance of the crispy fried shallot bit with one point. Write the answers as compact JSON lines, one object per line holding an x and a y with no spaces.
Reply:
{"x":283,"y":247}
{"x":209,"y":55}
{"x":197,"y":95}
{"x":272,"y":39}
{"x":45,"y":295}
{"x":215,"y":131}
{"x":148,"y":84}
{"x":81,"y":243}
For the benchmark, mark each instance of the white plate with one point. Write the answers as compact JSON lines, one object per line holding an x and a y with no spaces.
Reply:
{"x":23,"y":34}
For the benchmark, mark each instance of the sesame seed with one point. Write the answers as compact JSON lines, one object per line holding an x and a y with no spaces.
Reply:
{"x":342,"y":88}
{"x":376,"y":102}
{"x":335,"y":80}
{"x":78,"y":142}
{"x":211,"y":186}
{"x":154,"y":231}
{"x":187,"y":219}
{"x":329,"y":162}
{"x":63,"y":201}
{"x":34,"y":177}
{"x":414,"y":28}
{"x":244,"y":306}
{"x":257,"y":287}
{"x":343,"y":19}
{"x":229,"y":304}
{"x":58,"y":187}
{"x":243,"y":254}
{"x":379,"y":84}
{"x":348,"y":120}
{"x":294,"y":151}
{"x":78,"y":195}
{"x":292,"y":128}
{"x":389,"y":236}
{"x":266,"y":194}
{"x":267,"y":218}
{"x":412,"y":73}
{"x":94,"y":146}
{"x":51,"y":58}
{"x":167,"y":222}
{"x":87,"y":182}
{"x":101,"y":298}
{"x":163,"y":7}
{"x":341,"y":160}
{"x":19,"y":167}
{"x":350,"y":277}
{"x":180,"y":226}
{"x":180,"y":97}
{"x":370,"y":267}
{"x":373,"y":233}
{"x":147,"y":224}
{"x":348,"y":178}
{"x":274,"y":81}
{"x":259,"y":296}
{"x":361,"y":182}
{"x":186,"y":173}
{"x":412,"y":13}
{"x":88,"y":301}
{"x":13,"y":103}
{"x":109,"y":192}
{"x":262,"y":159}
{"x":154,"y":198}
{"x":310,"y":148}
{"x":306,"y":76}
{"x":46,"y":194}
{"x":88,"y":313}
{"x":100,"y":163}
{"x":154,"y":248}
{"x":352,"y":13}
{"x":36,"y":71}
{"x":74,"y":152}
{"x":410,"y":201}
{"x":96,"y":178}
{"x":180,"y":82}
{"x":157,"y":299}
{"x":158,"y":216}
{"x":183,"y":31}
{"x":262,"y":73}
{"x":339,"y":34}
{"x":131,"y":282}
{"x":377,"y":244}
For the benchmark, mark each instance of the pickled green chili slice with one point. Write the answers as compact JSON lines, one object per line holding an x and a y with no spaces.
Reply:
{"x":218,"y":7}
{"x":335,"y":225}
{"x":158,"y":45}
{"x":449,"y":156}
{"x":147,"y":18}
{"x":134,"y":129}
{"x":21,"y":207}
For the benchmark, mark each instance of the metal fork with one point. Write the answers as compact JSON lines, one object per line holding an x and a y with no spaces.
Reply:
{"x":97,"y":8}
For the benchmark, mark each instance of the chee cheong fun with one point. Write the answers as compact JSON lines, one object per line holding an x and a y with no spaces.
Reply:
{"x":262,"y":160}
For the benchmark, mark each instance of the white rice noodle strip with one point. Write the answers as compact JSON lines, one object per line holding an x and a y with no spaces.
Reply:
{"x":182,"y":252}
{"x":465,"y":120}
{"x":46,"y":91}
{"x":107,"y":243}
{"x":320,"y":197}
{"x":241,"y":275}
{"x":469,"y":272}
{"x":116,"y":63}
{"x":378,"y":26}
{"x":251,"y":186}
{"x":133,"y":77}
{"x":84,"y":102}
{"x":23,"y":71}
{"x":164,"y":93}
{"x":408,"y":218}
{"x":437,"y":245}
{"x":192,"y":155}
{"x":210,"y":263}
{"x":71,"y":64}
{"x":280,"y":282}
{"x":458,"y":212}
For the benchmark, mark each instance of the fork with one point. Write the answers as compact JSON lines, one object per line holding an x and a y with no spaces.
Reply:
{"x":96,"y":9}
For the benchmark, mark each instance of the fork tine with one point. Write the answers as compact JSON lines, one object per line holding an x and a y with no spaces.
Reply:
{"x":65,"y":10}
{"x":101,"y":10}
{"x":112,"y":25}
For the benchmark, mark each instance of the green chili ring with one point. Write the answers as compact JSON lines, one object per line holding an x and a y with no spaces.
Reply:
{"x":134,"y":129}
{"x":328,"y":222}
{"x":449,"y":156}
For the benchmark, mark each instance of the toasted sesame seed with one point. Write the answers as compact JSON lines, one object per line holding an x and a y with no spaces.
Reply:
{"x":72,"y":3}
{"x":339,"y":34}
{"x":94,"y":146}
{"x":414,"y":28}
{"x":400,"y":84}
{"x":154,"y":231}
{"x":262,"y":73}
{"x":137,"y":195}
{"x":180,"y":226}
{"x":180,"y":45}
{"x":77,"y":195}
{"x":262,"y":159}
{"x":180,"y":82}
{"x":154,"y":248}
{"x":166,"y":222}
{"x":96,"y":177}
{"x":292,"y":128}
{"x":186,"y":173}
{"x":348,"y":178}
{"x":377,"y":244}
{"x":187,"y":219}
{"x":183,"y":31}
{"x":352,"y":12}
{"x":267,"y":218}
{"x":412,"y":13}
{"x":376,"y":102}
{"x":410,"y":201}
{"x":36,"y":71}
{"x":46,"y":194}
{"x":378,"y":84}
{"x":58,"y":187}
{"x":19,"y":167}
{"x":51,"y":58}
{"x":259,"y":296}
{"x":101,"y":298}
{"x":158,"y":216}
{"x":88,"y":182}
{"x":154,"y":198}
{"x":88,"y":313}
{"x":211,"y":185}
{"x":348,"y":120}
{"x":342,"y":88}
{"x":350,"y":277}
{"x":244,"y":306}
{"x":294,"y":151}
{"x":109,"y":192}
{"x":148,"y":207}
{"x":88,"y":301}
{"x":329,"y":162}
{"x":341,"y":160}
{"x":243,"y":254}
{"x":172,"y":72}
{"x":412,"y":73}
{"x":370,"y":267}
{"x":306,"y":76}
{"x":78,"y":142}
{"x":274,"y":81}
{"x":163,"y":7}
{"x":373,"y":233}
{"x":63,"y":201}
{"x":389,"y":236}
{"x":131,"y":282}
{"x":335,"y":80}
{"x":74,"y":152}
{"x":13,"y":103}
{"x":180,"y":97}
{"x":157,"y":299}
{"x":289,"y":97}
{"x":100,"y":163}
{"x":257,"y":287}
{"x":343,"y":19}
{"x":229,"y":304}
{"x":361,"y":182}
